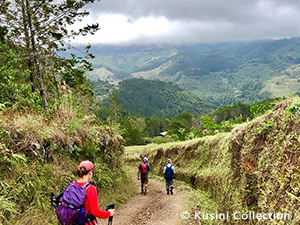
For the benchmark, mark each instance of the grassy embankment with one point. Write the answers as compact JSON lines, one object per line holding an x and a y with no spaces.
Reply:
{"x":39,"y":155}
{"x":254,"y":168}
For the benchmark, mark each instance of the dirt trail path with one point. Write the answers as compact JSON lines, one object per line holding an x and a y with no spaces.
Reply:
{"x":155,"y":208}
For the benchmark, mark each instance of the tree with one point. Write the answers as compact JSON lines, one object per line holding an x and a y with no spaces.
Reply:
{"x":231,"y":111}
{"x":114,"y":109}
{"x":37,"y":28}
{"x":153,"y":126}
{"x":208,"y":124}
{"x":133,"y":127}
{"x":13,"y":88}
{"x":257,"y":109}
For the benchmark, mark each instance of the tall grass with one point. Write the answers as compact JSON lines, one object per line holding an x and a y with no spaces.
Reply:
{"x":256,"y":167}
{"x":39,"y":155}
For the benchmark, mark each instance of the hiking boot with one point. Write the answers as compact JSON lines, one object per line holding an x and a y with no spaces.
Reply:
{"x":145,"y":193}
{"x":171,"y":192}
{"x":167,"y":192}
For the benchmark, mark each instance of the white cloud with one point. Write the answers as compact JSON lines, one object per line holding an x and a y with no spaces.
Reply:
{"x":120,"y":28}
{"x":191,"y":21}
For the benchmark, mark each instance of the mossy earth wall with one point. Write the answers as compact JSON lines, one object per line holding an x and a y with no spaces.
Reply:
{"x":254,"y":168}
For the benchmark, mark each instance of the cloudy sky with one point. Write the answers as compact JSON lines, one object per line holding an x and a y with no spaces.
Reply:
{"x":128,"y":22}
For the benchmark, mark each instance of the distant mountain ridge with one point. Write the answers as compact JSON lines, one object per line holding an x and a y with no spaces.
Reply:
{"x":222,"y":73}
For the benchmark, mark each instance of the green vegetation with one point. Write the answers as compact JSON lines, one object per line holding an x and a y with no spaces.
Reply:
{"x":139,"y":130}
{"x":47,"y":119}
{"x":253,"y":168}
{"x":221,"y":73}
{"x":102,"y":88}
{"x":153,"y":97}
{"x":39,"y":156}
{"x":15,"y":91}
{"x":36,"y":30}
{"x":50,"y":119}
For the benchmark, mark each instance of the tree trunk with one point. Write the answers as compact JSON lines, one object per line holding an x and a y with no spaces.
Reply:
{"x":27,"y":40}
{"x":36,"y":60}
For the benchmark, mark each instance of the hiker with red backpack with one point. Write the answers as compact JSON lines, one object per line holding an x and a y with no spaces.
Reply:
{"x":144,"y":167}
{"x":169,"y":172}
{"x":78,"y":204}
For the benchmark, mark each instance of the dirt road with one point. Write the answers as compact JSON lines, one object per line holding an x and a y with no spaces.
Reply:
{"x":155,"y":208}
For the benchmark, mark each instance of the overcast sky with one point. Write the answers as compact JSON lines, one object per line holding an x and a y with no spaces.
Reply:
{"x":192,"y":21}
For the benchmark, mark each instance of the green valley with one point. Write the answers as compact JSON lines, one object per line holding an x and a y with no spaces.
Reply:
{"x":223,"y":112}
{"x":221,"y":73}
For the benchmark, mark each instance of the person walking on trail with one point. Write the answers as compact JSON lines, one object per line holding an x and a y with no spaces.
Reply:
{"x":144,"y":168}
{"x":73,"y":193}
{"x":169,"y":172}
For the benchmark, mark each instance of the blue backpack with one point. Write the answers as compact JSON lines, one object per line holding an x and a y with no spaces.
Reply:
{"x":169,"y":173}
{"x":71,"y":205}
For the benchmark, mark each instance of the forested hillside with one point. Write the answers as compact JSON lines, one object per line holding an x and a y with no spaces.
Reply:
{"x":150,"y":97}
{"x":222,"y":73}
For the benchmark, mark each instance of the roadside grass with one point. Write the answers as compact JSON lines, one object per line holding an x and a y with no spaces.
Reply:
{"x":25,"y":194}
{"x":119,"y":193}
{"x":39,"y":155}
{"x":255,"y":167}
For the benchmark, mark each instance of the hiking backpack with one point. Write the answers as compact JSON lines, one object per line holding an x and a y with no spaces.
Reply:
{"x":169,"y":172}
{"x":143,"y":168}
{"x":71,"y":205}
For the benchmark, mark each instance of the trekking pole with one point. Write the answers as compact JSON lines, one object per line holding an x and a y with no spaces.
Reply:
{"x":110,"y":206}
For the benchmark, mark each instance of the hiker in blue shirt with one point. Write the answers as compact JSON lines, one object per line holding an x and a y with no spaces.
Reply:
{"x":169,"y":172}
{"x":144,"y":167}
